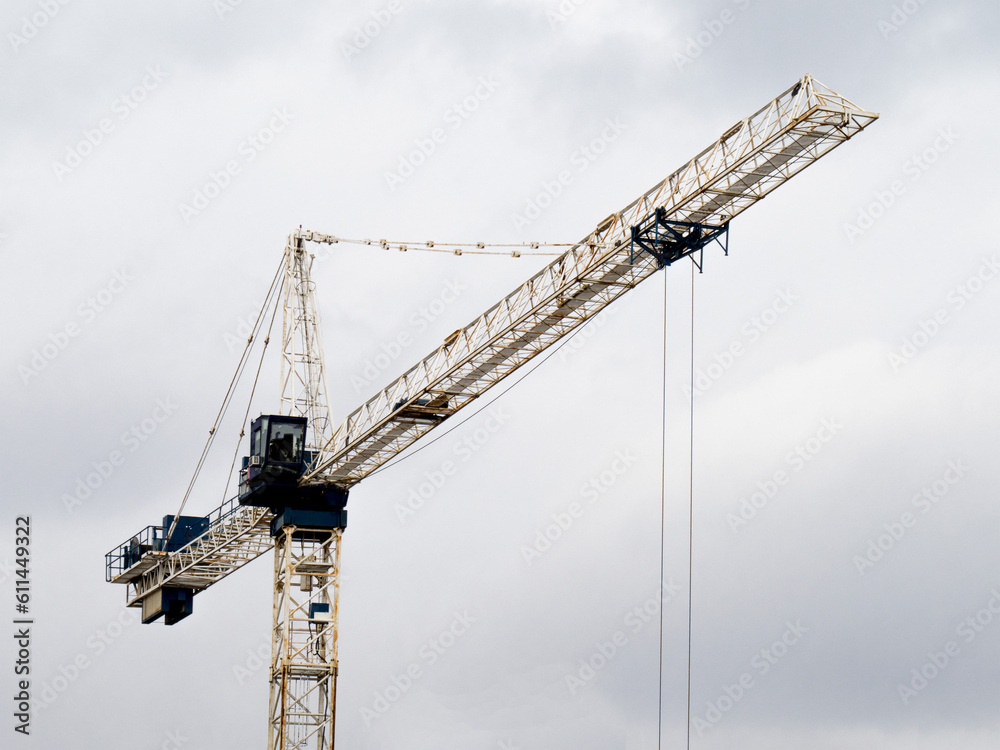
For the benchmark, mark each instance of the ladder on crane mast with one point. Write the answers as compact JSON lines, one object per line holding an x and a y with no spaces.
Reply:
{"x":295,"y":481}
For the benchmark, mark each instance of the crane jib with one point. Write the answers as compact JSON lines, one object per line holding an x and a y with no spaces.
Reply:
{"x":750,"y":160}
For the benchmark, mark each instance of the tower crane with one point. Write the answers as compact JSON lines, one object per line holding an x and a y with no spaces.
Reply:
{"x":294,"y":483}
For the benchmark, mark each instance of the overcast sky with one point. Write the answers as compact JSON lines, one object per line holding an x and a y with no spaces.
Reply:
{"x":155,"y":156}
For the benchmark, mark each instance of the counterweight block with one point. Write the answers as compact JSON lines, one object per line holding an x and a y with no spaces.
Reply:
{"x":173,"y":604}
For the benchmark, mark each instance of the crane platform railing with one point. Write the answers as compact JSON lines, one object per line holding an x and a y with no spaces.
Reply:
{"x":234,"y":535}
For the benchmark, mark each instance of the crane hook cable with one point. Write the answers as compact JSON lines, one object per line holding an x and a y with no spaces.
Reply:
{"x":663,"y":496}
{"x":690,"y":516}
{"x":244,"y":358}
{"x":663,"y":502}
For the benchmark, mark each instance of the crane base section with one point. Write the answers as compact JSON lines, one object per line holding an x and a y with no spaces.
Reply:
{"x":304,"y":638}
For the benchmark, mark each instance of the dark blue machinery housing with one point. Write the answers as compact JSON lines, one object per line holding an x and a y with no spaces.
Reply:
{"x":154,"y":539}
{"x":188,"y":529}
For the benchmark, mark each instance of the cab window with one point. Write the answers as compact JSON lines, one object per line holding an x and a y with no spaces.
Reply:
{"x":285,"y":445}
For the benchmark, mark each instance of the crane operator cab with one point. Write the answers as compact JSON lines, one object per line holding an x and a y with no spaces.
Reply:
{"x":276,"y":460}
{"x":270,"y":475}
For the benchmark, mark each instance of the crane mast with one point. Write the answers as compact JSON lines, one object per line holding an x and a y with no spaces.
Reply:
{"x":295,"y":483}
{"x":303,"y":670}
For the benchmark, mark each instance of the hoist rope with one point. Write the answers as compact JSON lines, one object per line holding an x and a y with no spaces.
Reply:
{"x":663,"y":502}
{"x":690,"y":514}
{"x":453,"y":248}
{"x":244,"y":358}
{"x":663,"y":495}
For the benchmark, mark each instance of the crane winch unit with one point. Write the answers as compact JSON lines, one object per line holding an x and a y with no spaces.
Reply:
{"x":295,"y":481}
